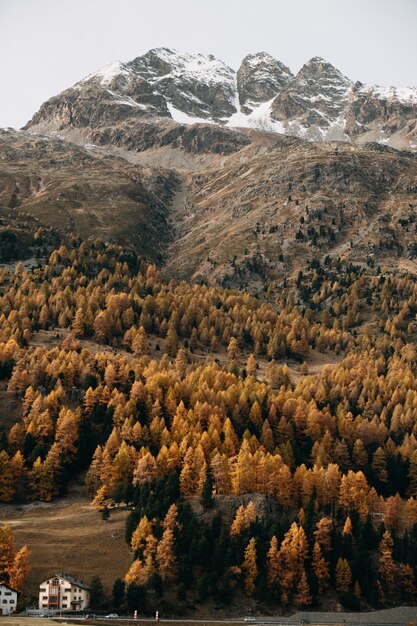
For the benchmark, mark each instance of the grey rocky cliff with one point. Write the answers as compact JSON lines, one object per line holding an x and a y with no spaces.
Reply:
{"x":259,"y":79}
{"x":199,"y":85}
{"x":317,"y":94}
{"x":165,"y":87}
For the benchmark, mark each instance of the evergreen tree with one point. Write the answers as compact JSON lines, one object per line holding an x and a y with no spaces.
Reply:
{"x":97,"y":597}
{"x":118,"y":593}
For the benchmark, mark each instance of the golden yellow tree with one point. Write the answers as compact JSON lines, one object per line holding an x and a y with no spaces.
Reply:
{"x":273,"y":563}
{"x":343,"y":576}
{"x":387,"y":569}
{"x":6,"y":552}
{"x":165,"y":557}
{"x":303,"y":596}
{"x":142,"y":531}
{"x":19,"y":569}
{"x":249,"y":567}
{"x":320,"y":568}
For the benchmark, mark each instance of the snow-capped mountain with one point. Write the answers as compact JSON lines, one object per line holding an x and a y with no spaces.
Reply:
{"x":260,"y":78}
{"x":318,"y":103}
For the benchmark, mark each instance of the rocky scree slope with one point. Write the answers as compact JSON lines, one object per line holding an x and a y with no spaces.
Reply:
{"x":267,"y":212}
{"x":261,"y":213}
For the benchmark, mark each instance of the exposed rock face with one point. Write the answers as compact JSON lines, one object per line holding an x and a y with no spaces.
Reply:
{"x":315,"y":99}
{"x":322,"y":104}
{"x":259,"y":79}
{"x":319,"y":103}
{"x":236,"y":204}
{"x":197,"y":139}
{"x":387,"y":115}
{"x":199,"y":85}
{"x":101,"y":99}
{"x":158,"y":84}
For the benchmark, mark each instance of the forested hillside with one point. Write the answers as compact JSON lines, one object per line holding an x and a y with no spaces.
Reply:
{"x":194,"y":406}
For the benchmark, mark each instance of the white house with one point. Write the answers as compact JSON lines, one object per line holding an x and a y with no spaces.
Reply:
{"x":8,"y":600}
{"x":62,"y":592}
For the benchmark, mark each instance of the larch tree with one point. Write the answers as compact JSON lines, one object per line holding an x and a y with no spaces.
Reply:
{"x":233,"y":351}
{"x":142,"y":531}
{"x":273,"y":562}
{"x":170,"y":521}
{"x":6,"y":552}
{"x":146,"y":469}
{"x":347,"y":528}
{"x":249,"y":567}
{"x":136,"y":574}
{"x":239,"y":521}
{"x":407,"y":580}
{"x":387,"y":569}
{"x":320,"y":568}
{"x":19,"y":569}
{"x":140,"y":342}
{"x":303,"y":596}
{"x":343,"y":576}
{"x":251,"y":366}
{"x":165,"y":557}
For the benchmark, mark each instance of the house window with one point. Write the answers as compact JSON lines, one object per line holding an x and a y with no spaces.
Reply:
{"x":42,"y":589}
{"x":65,"y":597}
{"x":4,"y":601}
{"x":44,"y":597}
{"x":11,"y":601}
{"x":7,"y":593}
{"x":45,"y":606}
{"x":64,"y":606}
{"x":55,"y":582}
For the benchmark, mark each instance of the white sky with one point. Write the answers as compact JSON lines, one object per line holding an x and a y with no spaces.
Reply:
{"x":48,"y":45}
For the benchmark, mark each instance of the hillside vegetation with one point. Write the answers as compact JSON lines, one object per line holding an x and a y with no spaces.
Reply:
{"x":290,"y":491}
{"x":259,"y":212}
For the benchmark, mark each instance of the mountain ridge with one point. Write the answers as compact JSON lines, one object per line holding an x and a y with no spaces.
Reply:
{"x":318,"y":103}
{"x":235,"y":203}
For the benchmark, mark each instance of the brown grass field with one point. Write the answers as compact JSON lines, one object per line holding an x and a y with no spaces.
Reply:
{"x":69,"y":536}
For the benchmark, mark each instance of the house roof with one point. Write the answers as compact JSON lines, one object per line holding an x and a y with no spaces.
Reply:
{"x":71,"y":580}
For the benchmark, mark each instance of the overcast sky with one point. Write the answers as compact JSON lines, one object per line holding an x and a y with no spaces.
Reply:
{"x":48,"y":45}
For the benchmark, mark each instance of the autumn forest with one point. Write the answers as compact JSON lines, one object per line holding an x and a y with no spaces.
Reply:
{"x":245,"y":473}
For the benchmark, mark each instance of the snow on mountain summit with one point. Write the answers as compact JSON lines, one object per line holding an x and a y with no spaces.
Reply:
{"x":260,"y":78}
{"x":161,"y":62}
{"x":198,"y":85}
{"x":318,"y":103}
{"x":107,"y":74}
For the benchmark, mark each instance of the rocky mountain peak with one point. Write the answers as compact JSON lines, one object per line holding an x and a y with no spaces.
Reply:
{"x":320,"y":70}
{"x":260,"y":78}
{"x":318,"y":103}
{"x":194,"y":84}
{"x":312,"y":104}
{"x":159,"y":62}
